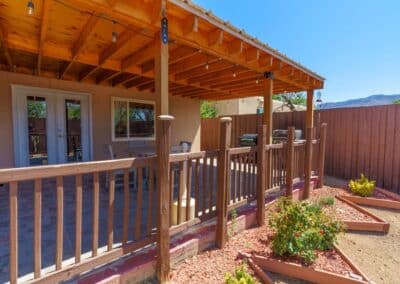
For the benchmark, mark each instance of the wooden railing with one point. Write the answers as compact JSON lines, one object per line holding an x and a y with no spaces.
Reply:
{"x":201,"y":186}
{"x":94,"y":177}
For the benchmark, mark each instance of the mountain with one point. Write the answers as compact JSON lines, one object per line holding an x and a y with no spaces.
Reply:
{"x":374,"y":100}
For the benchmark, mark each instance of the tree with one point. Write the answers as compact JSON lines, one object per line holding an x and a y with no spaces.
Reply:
{"x":208,"y":109}
{"x":396,"y":102}
{"x":292,"y":99}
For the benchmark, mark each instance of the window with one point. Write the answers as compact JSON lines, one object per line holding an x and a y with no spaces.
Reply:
{"x":132,"y":119}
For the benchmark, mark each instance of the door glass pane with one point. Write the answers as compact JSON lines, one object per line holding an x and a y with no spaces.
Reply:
{"x":141,"y":120}
{"x":120,"y":119}
{"x":73,"y":129}
{"x":37,"y":134}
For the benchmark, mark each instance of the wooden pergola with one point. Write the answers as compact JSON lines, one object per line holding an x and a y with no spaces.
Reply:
{"x":122,"y":44}
{"x":206,"y":58}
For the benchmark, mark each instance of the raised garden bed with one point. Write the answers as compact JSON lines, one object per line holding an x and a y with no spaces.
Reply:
{"x":380,"y":198}
{"x":331,"y":267}
{"x":353,"y":216}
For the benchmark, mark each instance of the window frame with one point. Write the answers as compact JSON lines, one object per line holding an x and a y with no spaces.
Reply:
{"x":128,"y":138}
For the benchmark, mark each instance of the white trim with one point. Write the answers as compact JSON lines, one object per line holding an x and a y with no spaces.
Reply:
{"x":20,"y":147}
{"x":128,"y":100}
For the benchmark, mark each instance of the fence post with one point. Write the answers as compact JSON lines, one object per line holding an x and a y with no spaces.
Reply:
{"x":321,"y":162}
{"x":261,"y":173}
{"x":163,"y":150}
{"x":223,"y":166}
{"x":308,"y":163}
{"x":289,"y":162}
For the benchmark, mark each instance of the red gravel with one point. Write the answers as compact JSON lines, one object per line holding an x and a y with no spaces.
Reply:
{"x":340,"y":209}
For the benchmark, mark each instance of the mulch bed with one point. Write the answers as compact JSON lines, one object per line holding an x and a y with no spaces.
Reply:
{"x":211,"y":266}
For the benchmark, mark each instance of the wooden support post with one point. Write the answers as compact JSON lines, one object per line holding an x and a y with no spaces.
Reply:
{"x":261,"y":142}
{"x":268,"y":93}
{"x":163,"y":151}
{"x":267,"y":117}
{"x":321,"y":162}
{"x":289,"y":162}
{"x":223,"y":170}
{"x":308,"y":163}
{"x":309,"y":136}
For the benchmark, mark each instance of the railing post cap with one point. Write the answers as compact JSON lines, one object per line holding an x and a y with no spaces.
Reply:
{"x":166,"y":117}
{"x":226,"y":119}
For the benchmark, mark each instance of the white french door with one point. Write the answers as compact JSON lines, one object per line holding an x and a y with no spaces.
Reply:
{"x":50,"y":126}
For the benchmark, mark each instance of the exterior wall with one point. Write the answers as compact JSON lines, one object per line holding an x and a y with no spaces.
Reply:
{"x":185,"y":127}
{"x":238,"y":106}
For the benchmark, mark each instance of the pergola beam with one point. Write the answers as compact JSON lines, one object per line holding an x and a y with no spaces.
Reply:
{"x":123,"y":39}
{"x":44,"y":24}
{"x":136,"y":58}
{"x":80,"y":42}
{"x":4,"y":46}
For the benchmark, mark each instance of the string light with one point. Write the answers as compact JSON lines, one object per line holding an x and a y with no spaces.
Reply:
{"x":31,"y":7}
{"x":234,"y":72}
{"x":114,"y":34}
{"x":257,"y":81}
{"x":207,"y":66}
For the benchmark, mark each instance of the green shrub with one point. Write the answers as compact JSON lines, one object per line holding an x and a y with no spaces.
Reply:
{"x":241,"y":276}
{"x":327,"y":200}
{"x":362,"y":187}
{"x":301,"y":228}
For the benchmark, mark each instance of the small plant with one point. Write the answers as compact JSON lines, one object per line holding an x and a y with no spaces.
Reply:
{"x":301,"y":228}
{"x":241,"y":276}
{"x":362,"y":187}
{"x":327,"y":200}
{"x":232,"y":229}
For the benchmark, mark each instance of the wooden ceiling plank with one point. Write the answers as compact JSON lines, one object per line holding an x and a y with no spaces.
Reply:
{"x":111,"y":49}
{"x":107,"y":76}
{"x":236,"y":47}
{"x":213,"y":67}
{"x":136,"y":58}
{"x":80,"y":42}
{"x":44,"y":27}
{"x":122,"y":79}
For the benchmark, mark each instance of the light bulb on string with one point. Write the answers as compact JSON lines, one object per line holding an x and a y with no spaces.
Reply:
{"x":234,"y":74}
{"x":257,"y":81}
{"x":114,"y":34}
{"x":31,"y":7}
{"x":207,"y":66}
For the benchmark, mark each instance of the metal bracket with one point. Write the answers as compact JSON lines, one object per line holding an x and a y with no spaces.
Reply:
{"x":269,"y":75}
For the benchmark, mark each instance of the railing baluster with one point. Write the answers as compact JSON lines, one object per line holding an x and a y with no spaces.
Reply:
{"x":13,"y":196}
{"x":60,"y":222}
{"x":204,"y":185}
{"x":240,"y":178}
{"x":110,"y":217}
{"x":126,"y":207}
{"x":138,"y":222}
{"x":180,"y":189}
{"x":211,"y":184}
{"x":171,"y":192}
{"x":37,"y":228}
{"x":189,"y":189}
{"x":95,"y":223}
{"x":150,"y":203}
{"x":197,"y":187}
{"x":78,"y":219}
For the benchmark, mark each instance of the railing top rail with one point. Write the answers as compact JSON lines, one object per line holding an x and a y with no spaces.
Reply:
{"x":242,"y":150}
{"x":179,"y":157}
{"x":31,"y":173}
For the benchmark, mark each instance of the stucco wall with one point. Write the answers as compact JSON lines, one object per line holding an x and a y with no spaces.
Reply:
{"x":186,"y":125}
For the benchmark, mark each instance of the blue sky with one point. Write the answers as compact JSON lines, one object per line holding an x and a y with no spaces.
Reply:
{"x":354,"y":44}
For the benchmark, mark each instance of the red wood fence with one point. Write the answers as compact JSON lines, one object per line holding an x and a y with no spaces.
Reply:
{"x":359,"y":140}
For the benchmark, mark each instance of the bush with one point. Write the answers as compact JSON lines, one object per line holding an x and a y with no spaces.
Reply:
{"x":302,"y":228}
{"x":362,"y":187}
{"x":241,"y":276}
{"x":327,"y":200}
